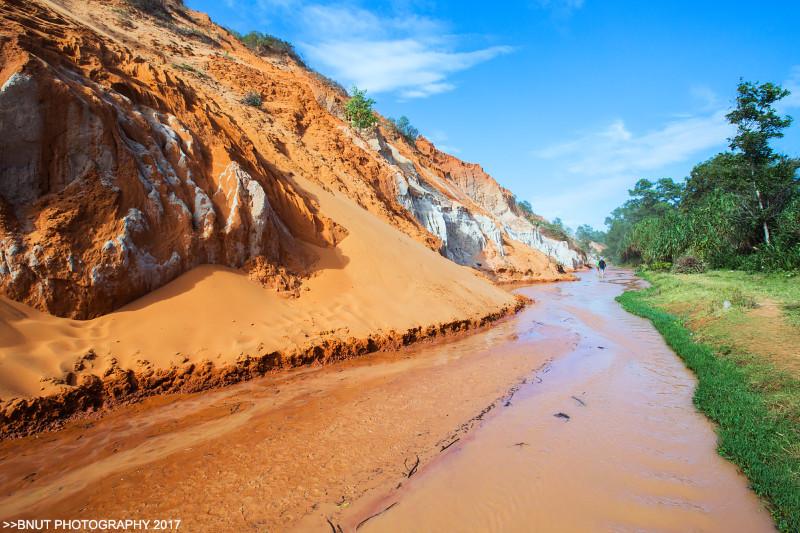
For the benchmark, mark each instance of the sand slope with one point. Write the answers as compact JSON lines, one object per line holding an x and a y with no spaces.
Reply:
{"x":378,"y":279}
{"x":139,"y":192}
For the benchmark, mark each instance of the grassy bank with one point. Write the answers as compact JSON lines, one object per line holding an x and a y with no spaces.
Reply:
{"x":739,"y":334}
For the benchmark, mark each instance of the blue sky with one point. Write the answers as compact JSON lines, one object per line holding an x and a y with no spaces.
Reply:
{"x":565,"y":102}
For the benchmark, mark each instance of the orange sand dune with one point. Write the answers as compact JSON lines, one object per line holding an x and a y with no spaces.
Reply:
{"x":377,"y":279}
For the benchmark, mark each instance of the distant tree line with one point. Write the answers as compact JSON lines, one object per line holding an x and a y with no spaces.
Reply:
{"x":556,"y":229}
{"x":740,"y":209}
{"x":586,"y":234}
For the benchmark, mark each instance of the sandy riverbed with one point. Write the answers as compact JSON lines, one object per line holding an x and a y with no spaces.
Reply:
{"x":298,"y":448}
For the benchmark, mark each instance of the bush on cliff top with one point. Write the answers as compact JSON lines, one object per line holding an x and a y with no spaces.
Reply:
{"x":265,"y":44}
{"x":403,"y":126}
{"x":358,"y":110}
{"x":157,"y":8}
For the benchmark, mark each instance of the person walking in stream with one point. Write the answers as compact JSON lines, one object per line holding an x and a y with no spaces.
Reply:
{"x":601,"y":268}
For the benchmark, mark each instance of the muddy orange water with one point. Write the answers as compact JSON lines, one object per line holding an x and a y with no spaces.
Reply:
{"x":473,"y":418}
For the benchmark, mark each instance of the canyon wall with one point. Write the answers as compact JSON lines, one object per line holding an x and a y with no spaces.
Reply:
{"x":129,"y":158}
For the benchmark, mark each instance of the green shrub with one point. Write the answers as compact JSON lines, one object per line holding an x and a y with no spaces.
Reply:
{"x":252,"y":99}
{"x":265,"y":44}
{"x":403,"y":126}
{"x":358,"y":110}
{"x":772,"y":258}
{"x":659,"y":238}
{"x":718,"y":231}
{"x":660,"y":266}
{"x":689,"y":264}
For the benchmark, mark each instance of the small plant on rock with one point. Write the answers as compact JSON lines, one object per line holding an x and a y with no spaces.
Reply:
{"x":252,"y":99}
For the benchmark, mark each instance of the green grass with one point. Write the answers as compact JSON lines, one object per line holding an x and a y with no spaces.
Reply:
{"x":782,"y":287}
{"x":755,"y":405}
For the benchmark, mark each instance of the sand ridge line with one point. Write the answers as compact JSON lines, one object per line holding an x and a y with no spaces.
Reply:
{"x":95,"y":395}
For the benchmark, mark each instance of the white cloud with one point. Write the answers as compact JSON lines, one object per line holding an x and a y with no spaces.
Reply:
{"x":410,"y":55}
{"x":412,"y":67}
{"x":793,"y":84}
{"x":332,"y":21}
{"x":560,"y":4}
{"x":575,"y":200}
{"x":596,"y":167}
{"x":614,"y":149}
{"x":601,"y":164}
{"x":403,"y":52}
{"x":706,"y":96}
{"x":617,"y":132}
{"x":560,"y":8}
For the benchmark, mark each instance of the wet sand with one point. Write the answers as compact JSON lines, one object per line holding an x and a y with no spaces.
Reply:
{"x":605,"y":439}
{"x":292,"y":450}
{"x":265,"y":453}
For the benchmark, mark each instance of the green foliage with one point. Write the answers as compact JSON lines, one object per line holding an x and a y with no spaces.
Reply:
{"x":403,"y":126}
{"x":649,"y":200}
{"x":265,"y":44}
{"x":586,"y":234}
{"x":738,"y":209}
{"x":745,"y":396}
{"x":660,"y":238}
{"x":772,"y":258}
{"x":525,"y":207}
{"x":718,"y":230}
{"x":358,"y":110}
{"x":659,"y":266}
{"x":757,"y":121}
{"x":555,"y":229}
{"x":252,"y":99}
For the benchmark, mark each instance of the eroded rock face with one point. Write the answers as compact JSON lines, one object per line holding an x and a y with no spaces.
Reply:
{"x":462,"y":239}
{"x":470,"y":213}
{"x":472,"y":181}
{"x":128,"y":158}
{"x":116,"y":180}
